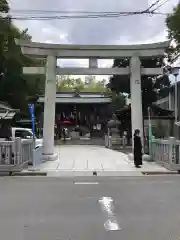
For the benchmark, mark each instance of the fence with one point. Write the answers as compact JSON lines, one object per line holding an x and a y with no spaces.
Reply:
{"x":166,"y":152}
{"x":115,"y":141}
{"x":15,"y":155}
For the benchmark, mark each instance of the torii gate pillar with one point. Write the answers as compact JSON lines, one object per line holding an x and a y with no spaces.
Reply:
{"x":49,"y":109}
{"x":136,"y":97}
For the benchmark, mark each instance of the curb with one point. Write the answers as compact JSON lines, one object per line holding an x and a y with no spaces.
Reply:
{"x":159,"y":173}
{"x":29,"y":173}
{"x":108,"y":174}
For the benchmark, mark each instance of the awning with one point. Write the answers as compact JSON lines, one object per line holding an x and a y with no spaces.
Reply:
{"x":7,"y":114}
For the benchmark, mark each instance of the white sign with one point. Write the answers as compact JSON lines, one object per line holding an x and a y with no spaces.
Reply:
{"x":137,"y":81}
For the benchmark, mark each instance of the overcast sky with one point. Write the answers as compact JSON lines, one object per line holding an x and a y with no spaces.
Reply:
{"x":124,"y":30}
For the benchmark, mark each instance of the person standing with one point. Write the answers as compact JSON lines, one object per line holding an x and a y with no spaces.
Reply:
{"x":64,"y":134}
{"x":137,"y":149}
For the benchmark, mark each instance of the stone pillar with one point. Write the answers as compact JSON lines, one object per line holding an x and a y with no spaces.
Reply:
{"x":169,"y":100}
{"x":49,"y":109}
{"x":93,"y":63}
{"x":136,"y":96}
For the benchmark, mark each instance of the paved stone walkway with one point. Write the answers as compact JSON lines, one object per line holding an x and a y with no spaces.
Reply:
{"x":83,"y":160}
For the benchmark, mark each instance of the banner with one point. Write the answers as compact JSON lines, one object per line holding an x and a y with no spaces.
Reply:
{"x":31,"y":110}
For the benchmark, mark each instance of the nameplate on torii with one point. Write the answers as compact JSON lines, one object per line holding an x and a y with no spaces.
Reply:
{"x":137,"y":81}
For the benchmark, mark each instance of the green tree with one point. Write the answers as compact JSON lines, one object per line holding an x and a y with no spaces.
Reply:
{"x":4,"y":7}
{"x":16,"y":88}
{"x":118,"y":101}
{"x":93,"y":85}
{"x":69,"y":84}
{"x":173,"y":25}
{"x":65,"y":84}
{"x":10,"y":80}
{"x":151,"y":87}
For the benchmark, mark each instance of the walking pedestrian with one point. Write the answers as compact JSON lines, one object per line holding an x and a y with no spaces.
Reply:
{"x":137,"y":149}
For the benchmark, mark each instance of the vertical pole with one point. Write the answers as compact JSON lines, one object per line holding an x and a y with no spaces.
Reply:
{"x":175,"y":107}
{"x":136,"y":96}
{"x":49,"y":109}
{"x":172,"y":154}
{"x":170,"y":102}
{"x":149,"y":131}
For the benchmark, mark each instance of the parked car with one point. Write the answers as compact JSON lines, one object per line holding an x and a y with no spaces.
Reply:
{"x":25,"y":133}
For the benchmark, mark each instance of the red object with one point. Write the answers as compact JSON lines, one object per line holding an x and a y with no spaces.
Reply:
{"x":66,"y":122}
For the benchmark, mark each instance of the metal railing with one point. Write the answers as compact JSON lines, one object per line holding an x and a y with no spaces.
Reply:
{"x":166,"y":152}
{"x":15,"y":155}
{"x":7,"y":153}
{"x":27,"y":147}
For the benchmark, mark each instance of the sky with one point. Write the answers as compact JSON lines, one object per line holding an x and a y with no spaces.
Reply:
{"x":123,"y":30}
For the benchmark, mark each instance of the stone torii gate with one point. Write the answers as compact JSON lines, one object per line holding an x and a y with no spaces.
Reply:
{"x":93,"y":52}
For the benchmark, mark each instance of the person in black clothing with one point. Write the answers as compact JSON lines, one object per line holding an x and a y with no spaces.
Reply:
{"x":64,"y":134}
{"x":137,"y":149}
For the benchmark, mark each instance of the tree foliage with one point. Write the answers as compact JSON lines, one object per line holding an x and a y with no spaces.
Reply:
{"x":69,"y":84}
{"x":15,"y":88}
{"x":173,"y":25}
{"x":118,"y":101}
{"x":151,"y":87}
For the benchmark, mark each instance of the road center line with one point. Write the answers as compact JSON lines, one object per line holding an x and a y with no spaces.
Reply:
{"x":86,"y":183}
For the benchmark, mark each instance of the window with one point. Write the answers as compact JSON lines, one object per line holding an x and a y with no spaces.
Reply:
{"x":23,"y":134}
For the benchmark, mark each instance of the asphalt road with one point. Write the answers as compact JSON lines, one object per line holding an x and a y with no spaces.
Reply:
{"x":44,"y":208}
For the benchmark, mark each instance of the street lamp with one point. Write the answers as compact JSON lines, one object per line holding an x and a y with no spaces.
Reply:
{"x":175,"y":72}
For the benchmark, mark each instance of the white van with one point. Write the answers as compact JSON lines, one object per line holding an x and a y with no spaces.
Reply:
{"x":25,"y":133}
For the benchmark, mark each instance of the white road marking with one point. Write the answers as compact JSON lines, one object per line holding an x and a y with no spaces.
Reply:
{"x":111,"y":225}
{"x":107,"y":206}
{"x":86,"y":183}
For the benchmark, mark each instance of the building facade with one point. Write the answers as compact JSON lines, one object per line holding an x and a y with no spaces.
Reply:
{"x":168,"y":103}
{"x":85,"y":109}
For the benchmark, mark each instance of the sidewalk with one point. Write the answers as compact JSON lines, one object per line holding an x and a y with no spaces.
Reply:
{"x":86,"y":159}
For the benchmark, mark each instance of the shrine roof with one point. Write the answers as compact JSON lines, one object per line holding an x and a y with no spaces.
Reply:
{"x":82,"y":94}
{"x":82,"y":97}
